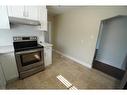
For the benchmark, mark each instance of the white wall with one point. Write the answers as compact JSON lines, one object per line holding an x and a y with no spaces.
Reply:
{"x":76,"y":31}
{"x":113,"y":45}
{"x":6,"y":36}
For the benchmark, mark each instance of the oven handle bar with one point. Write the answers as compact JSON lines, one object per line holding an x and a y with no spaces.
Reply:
{"x":28,"y":51}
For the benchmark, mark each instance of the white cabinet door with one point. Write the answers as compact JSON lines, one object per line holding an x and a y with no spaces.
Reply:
{"x":2,"y":79}
{"x":16,"y":11}
{"x":32,"y":12}
{"x":48,"y":55}
{"x":28,"y":12}
{"x":9,"y":66}
{"x":43,"y":18}
{"x":4,"y":21}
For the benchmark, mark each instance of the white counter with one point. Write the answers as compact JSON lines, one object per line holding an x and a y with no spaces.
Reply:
{"x":6,"y":49}
{"x":46,"y":44}
{"x":10,"y":48}
{"x":47,"y":53}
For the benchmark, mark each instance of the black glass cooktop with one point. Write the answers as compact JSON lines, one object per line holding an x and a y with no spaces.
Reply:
{"x":27,"y":45}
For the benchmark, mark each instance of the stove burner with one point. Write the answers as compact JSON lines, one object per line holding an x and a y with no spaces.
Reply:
{"x":28,"y":48}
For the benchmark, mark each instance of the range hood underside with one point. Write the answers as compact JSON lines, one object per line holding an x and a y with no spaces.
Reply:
{"x":15,"y":20}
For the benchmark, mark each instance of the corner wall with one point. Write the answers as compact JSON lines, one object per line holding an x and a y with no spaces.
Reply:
{"x":76,"y":31}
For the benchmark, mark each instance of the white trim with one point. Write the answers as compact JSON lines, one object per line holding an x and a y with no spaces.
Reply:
{"x":74,"y":59}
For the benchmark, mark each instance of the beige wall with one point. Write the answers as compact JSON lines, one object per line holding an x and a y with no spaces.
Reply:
{"x":50,"y":17}
{"x":76,"y":31}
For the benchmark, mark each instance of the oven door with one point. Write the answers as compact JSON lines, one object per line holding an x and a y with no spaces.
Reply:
{"x":29,"y":59}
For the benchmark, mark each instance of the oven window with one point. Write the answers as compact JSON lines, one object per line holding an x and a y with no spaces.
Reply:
{"x":30,"y":58}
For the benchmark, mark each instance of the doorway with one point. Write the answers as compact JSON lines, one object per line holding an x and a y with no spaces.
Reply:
{"x":111,"y":47}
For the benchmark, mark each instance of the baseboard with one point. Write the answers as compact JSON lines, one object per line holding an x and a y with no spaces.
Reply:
{"x":3,"y":87}
{"x":12,"y":80}
{"x":74,"y":59}
{"x":110,"y":70}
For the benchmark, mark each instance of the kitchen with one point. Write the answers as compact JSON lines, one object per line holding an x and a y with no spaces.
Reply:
{"x":63,"y":46}
{"x":28,"y":60}
{"x":23,"y":27}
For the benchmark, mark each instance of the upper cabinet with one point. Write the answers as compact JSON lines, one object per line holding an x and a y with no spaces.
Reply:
{"x":43,"y":18}
{"x":38,"y":13}
{"x":32,"y":12}
{"x":27,"y":12}
{"x":16,"y":11}
{"x":4,"y":21}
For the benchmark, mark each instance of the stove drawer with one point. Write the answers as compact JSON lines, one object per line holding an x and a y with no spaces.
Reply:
{"x":30,"y":72}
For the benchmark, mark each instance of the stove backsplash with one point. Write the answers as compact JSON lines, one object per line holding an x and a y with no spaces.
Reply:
{"x":6,"y":36}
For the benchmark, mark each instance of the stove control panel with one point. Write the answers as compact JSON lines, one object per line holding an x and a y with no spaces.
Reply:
{"x":24,"y":38}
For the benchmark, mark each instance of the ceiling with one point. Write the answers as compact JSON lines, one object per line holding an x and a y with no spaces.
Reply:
{"x":55,"y":10}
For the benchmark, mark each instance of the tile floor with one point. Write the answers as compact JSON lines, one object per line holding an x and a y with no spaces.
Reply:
{"x":77,"y":74}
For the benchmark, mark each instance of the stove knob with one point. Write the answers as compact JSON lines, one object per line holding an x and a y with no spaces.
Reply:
{"x":32,"y":38}
{"x":15,"y":39}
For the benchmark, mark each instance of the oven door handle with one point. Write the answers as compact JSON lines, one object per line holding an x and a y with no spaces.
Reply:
{"x":28,"y":51}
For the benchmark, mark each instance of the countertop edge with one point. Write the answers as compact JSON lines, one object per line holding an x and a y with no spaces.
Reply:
{"x":6,"y":49}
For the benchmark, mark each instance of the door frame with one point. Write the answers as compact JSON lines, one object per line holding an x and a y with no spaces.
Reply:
{"x":123,"y":81}
{"x":98,"y":40}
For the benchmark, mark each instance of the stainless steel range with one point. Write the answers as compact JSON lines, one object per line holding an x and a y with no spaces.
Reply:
{"x":29,"y":55}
